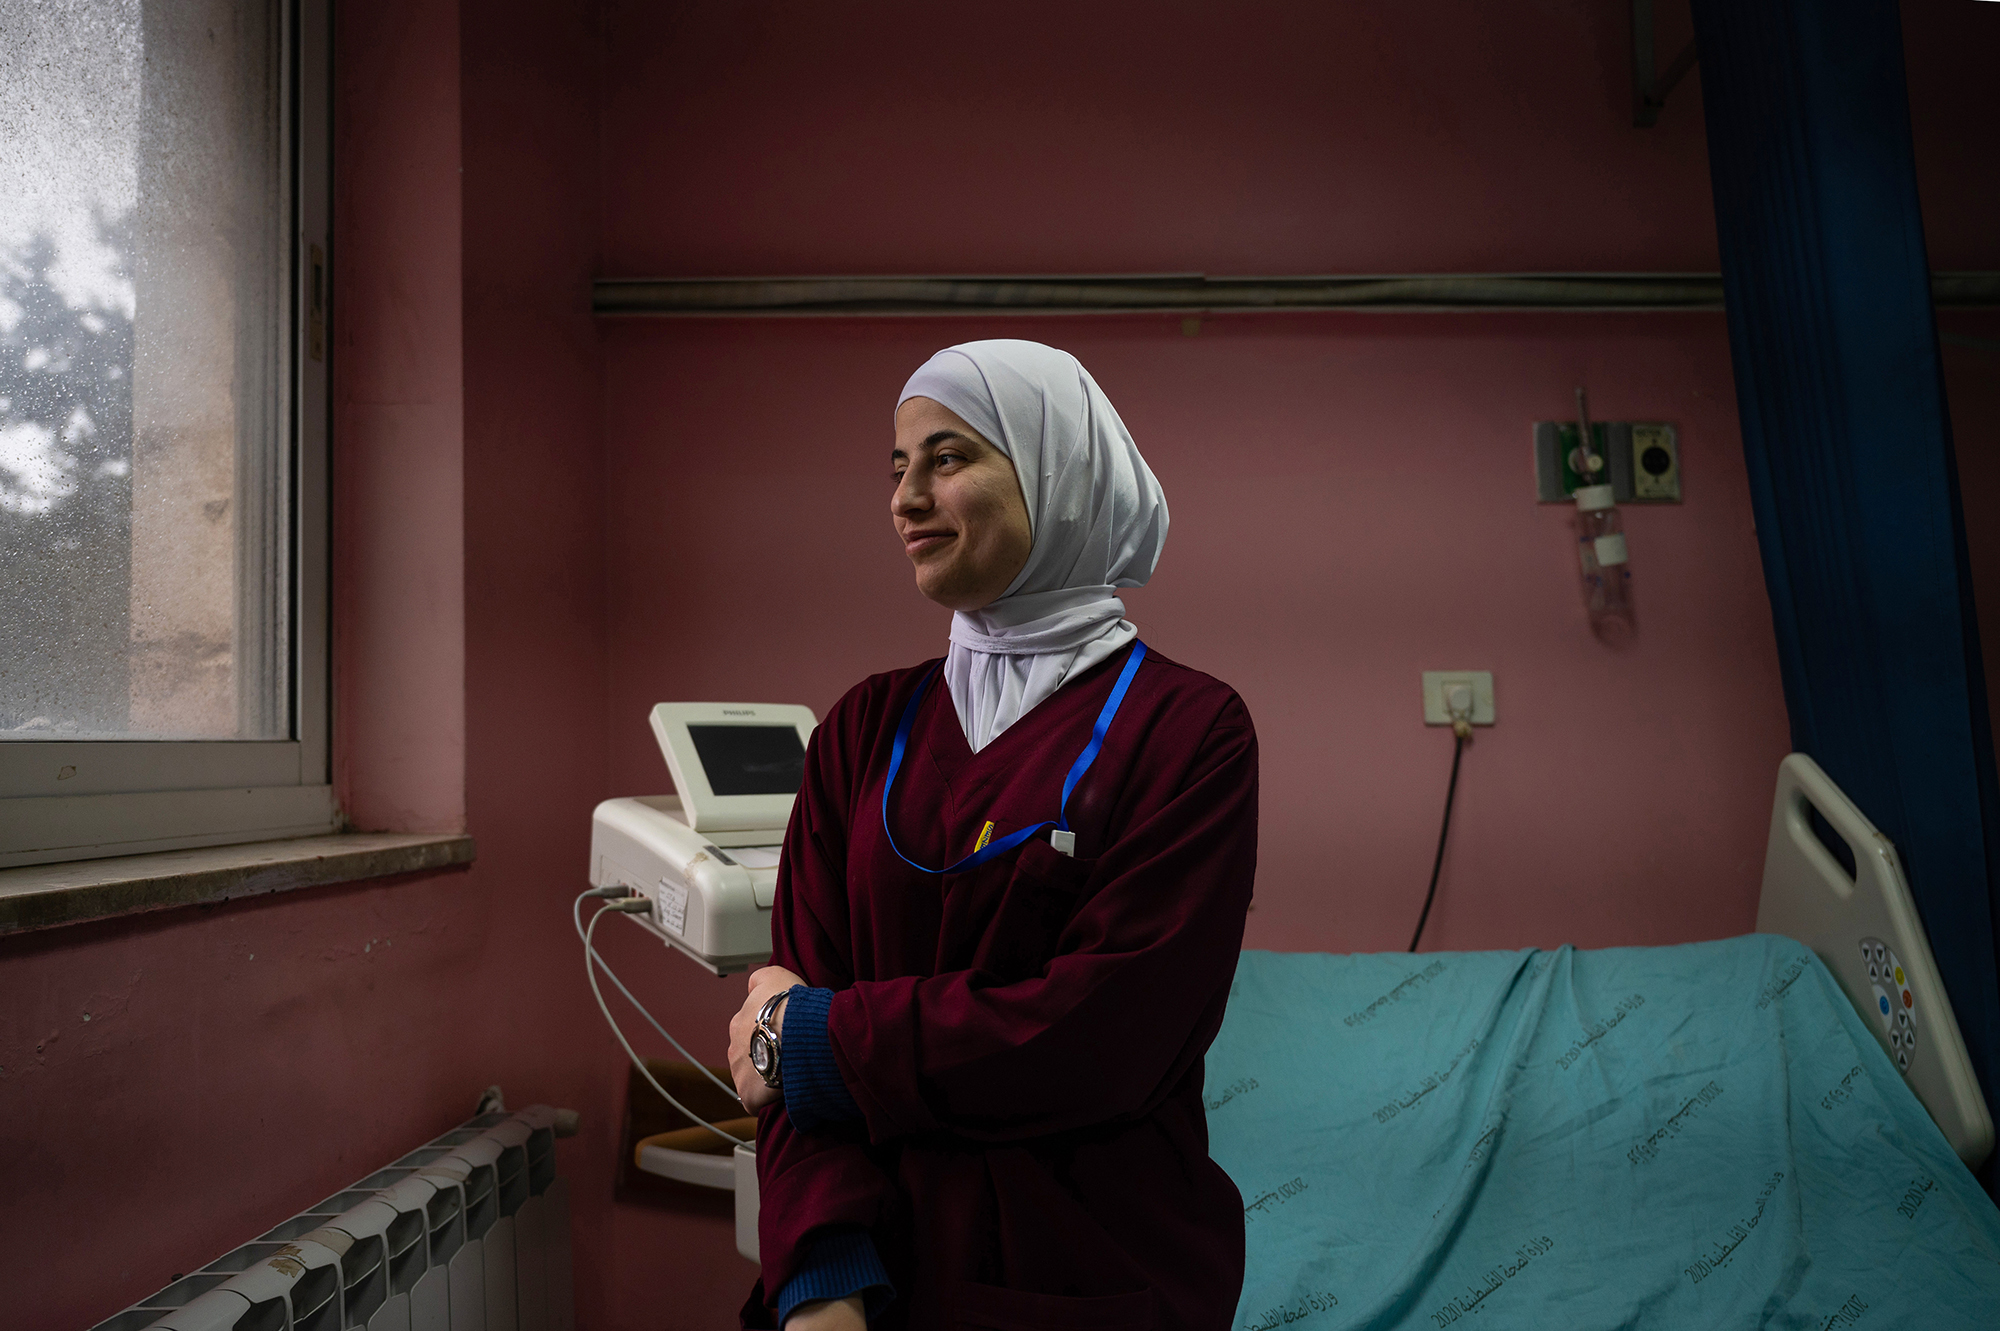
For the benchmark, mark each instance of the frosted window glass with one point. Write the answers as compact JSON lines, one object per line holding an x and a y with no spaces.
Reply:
{"x":144,"y":455}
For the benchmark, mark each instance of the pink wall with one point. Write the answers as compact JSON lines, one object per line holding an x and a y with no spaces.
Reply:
{"x":1350,"y":498}
{"x":1129,"y":137}
{"x":398,"y":425}
{"x":537,"y":509}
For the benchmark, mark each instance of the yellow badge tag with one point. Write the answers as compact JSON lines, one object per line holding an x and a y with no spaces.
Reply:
{"x":985,"y":835}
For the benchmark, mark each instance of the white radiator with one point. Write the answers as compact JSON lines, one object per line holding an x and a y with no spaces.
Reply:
{"x":467,"y":1233}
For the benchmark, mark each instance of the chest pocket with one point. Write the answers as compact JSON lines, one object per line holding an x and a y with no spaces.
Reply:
{"x":1041,"y":896}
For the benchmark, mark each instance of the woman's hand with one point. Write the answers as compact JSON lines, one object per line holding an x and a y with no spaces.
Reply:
{"x":750,"y":1087}
{"x":829,"y":1315}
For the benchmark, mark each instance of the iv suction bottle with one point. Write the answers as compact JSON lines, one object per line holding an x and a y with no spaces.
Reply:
{"x":1607,"y":578}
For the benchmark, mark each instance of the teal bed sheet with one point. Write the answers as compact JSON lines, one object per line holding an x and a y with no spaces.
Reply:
{"x":1695,"y":1136}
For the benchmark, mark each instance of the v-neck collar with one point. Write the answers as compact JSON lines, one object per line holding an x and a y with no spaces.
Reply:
{"x":944,"y":735}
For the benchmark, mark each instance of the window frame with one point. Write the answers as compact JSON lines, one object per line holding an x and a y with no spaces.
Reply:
{"x":85,"y":799}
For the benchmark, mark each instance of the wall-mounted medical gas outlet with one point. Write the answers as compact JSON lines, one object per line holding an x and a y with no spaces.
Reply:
{"x":1643,"y":457}
{"x":1441,"y":691}
{"x":1656,"y":463}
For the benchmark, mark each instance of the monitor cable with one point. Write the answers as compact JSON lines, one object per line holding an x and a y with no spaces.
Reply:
{"x":623,"y":904}
{"x":1461,"y":732}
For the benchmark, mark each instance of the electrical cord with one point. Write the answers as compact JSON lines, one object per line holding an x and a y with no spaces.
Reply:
{"x":591,"y":963}
{"x":1461,"y":732}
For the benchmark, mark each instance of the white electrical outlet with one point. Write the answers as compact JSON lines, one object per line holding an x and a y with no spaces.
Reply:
{"x":1439,"y":686}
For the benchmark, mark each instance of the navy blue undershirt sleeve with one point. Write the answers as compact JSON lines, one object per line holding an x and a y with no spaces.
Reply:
{"x":815,"y":1096}
{"x":839,"y":1262}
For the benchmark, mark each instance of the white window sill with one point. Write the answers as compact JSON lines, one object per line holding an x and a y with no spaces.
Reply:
{"x":41,"y":896}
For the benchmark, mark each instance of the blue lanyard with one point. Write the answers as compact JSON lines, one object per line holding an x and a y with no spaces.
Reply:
{"x":1076,"y":771}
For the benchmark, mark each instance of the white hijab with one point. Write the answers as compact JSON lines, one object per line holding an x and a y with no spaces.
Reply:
{"x":1097,"y":516}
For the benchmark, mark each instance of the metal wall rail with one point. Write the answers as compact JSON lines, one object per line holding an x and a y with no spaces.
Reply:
{"x":1193,"y":293}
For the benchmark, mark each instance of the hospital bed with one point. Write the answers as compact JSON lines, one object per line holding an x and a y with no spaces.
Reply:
{"x":1772,"y":1130}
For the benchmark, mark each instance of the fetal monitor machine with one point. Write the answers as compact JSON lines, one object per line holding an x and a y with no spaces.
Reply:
{"x":707,"y":859}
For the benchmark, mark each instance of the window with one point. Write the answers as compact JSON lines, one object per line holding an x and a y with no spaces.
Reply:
{"x":163,"y":208}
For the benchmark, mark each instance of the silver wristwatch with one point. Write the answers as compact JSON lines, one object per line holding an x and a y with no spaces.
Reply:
{"x":764,"y":1053}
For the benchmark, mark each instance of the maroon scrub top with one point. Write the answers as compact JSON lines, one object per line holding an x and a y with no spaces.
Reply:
{"x":1025,"y":1039}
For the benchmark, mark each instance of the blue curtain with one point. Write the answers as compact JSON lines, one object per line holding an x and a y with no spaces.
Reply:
{"x":1841,"y":393}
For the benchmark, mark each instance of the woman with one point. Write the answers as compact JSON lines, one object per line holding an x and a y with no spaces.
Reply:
{"x":984,"y":1032}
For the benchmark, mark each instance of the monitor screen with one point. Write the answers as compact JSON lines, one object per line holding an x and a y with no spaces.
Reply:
{"x":750,"y":760}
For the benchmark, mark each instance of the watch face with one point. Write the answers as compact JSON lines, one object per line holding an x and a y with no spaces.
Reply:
{"x":760,"y":1054}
